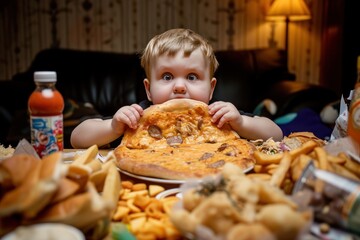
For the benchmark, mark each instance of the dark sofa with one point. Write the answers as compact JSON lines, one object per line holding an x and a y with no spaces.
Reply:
{"x":99,"y":83}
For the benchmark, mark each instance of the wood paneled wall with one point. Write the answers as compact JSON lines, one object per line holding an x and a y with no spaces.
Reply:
{"x":26,"y":27}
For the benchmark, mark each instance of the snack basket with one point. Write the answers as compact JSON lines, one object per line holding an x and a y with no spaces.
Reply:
{"x":49,"y":191}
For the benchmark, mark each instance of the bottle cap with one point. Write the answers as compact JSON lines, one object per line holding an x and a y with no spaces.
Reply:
{"x":45,"y":76}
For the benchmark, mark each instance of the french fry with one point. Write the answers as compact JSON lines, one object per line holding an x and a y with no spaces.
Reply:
{"x":322,"y":158}
{"x":87,"y":156}
{"x":271,"y":166}
{"x":304,"y":149}
{"x":279,"y":175}
{"x":260,"y":176}
{"x":112,"y":186}
{"x":263,"y":158}
{"x":304,"y":161}
{"x":94,"y":165}
{"x":259,"y":168}
{"x":298,"y":165}
{"x":341,"y":170}
{"x":350,"y":164}
{"x":336,"y":159}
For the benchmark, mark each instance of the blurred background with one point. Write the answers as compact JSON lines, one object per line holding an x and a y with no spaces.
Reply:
{"x":322,"y":49}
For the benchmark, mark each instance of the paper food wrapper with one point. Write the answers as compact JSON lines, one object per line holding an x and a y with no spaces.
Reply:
{"x":340,"y":129}
{"x":23,"y":147}
{"x":346,"y":145}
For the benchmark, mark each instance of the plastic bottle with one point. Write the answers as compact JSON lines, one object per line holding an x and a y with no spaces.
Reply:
{"x":354,"y":110}
{"x":46,"y":106}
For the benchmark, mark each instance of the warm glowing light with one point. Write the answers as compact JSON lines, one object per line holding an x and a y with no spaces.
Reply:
{"x":293,"y":10}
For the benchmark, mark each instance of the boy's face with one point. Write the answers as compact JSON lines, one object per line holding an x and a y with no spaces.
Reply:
{"x":180,"y":77}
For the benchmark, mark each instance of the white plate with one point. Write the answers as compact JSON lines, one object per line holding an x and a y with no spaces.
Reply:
{"x":162,"y":180}
{"x":152,"y":179}
{"x":169,"y":192}
{"x":45,"y":231}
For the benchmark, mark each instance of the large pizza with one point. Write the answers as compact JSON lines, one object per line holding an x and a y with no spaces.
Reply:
{"x":177,"y":140}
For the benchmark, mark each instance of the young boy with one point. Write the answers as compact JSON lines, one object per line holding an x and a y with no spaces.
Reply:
{"x":179,"y":64}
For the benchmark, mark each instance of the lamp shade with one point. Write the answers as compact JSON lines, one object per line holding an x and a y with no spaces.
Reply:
{"x":294,"y":10}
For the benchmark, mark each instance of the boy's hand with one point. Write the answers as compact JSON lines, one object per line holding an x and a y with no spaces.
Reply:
{"x":127,"y":115}
{"x":223,"y":112}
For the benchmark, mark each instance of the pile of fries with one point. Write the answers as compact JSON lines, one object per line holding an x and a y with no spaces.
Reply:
{"x":146,"y":216}
{"x":284,"y":169}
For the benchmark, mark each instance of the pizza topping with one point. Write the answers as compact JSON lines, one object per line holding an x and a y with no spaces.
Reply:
{"x":155,"y":132}
{"x":211,"y":140}
{"x":233,"y":152}
{"x":216,"y":164}
{"x":185,"y":128}
{"x":200,"y":122}
{"x":222,"y":147}
{"x":206,"y":156}
{"x":174,"y":140}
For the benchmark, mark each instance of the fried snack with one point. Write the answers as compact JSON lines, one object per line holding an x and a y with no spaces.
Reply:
{"x":350,"y":164}
{"x":280,"y":172}
{"x":310,"y":149}
{"x":66,"y":188}
{"x":234,"y":206}
{"x":11,"y":175}
{"x":147,"y":216}
{"x":260,"y":176}
{"x":282,"y":221}
{"x":343,"y":171}
{"x":303,"y":137}
{"x":86,"y":157}
{"x":112,"y":186}
{"x":36,"y":189}
{"x":263,"y":158}
{"x":253,"y":231}
{"x":49,"y":190}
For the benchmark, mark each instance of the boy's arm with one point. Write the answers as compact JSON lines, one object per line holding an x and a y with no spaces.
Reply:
{"x":249,"y":127}
{"x":101,"y":132}
{"x":93,"y":131}
{"x":257,"y":128}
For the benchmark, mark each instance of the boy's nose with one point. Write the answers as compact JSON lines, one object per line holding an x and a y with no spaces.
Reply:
{"x":179,"y":87}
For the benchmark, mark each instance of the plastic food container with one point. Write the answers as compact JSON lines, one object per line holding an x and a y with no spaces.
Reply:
{"x":335,"y":199}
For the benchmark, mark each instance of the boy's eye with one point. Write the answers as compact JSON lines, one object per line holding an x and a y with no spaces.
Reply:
{"x":192,"y":77}
{"x":167,"y":76}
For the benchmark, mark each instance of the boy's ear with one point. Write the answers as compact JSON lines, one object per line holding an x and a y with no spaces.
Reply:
{"x":147,"y":88}
{"x":212,"y":87}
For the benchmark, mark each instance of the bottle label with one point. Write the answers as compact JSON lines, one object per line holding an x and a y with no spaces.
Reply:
{"x":47,"y":134}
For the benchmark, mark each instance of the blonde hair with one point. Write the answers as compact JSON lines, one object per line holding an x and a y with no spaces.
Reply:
{"x":173,"y":41}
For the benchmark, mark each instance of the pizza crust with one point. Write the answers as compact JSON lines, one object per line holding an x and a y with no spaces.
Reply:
{"x":177,"y":140}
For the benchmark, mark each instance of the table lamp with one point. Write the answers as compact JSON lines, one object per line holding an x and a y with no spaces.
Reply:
{"x":288,"y":10}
